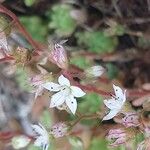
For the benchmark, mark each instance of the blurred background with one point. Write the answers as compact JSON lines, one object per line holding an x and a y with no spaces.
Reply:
{"x":111,"y":33}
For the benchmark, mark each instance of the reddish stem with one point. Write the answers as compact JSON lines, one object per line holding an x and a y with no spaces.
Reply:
{"x":20,"y":26}
{"x":91,"y":88}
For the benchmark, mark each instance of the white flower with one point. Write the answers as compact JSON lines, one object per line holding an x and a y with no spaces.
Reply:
{"x":116,"y":103}
{"x":95,"y":71}
{"x":65,"y":93}
{"x":19,"y":142}
{"x":42,"y":137}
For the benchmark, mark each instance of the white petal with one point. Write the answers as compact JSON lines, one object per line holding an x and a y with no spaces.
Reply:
{"x":38,"y":129}
{"x":38,"y":141}
{"x":120,"y":95}
{"x":112,"y":104}
{"x":51,"y":86}
{"x":57,"y":99}
{"x":111,"y":114}
{"x":72,"y":104}
{"x":45,"y":147}
{"x":77,"y":92}
{"x":63,"y":81}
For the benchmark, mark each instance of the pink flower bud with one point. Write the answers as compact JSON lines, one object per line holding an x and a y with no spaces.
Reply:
{"x":59,"y":57}
{"x":131,"y":120}
{"x":117,"y":137}
{"x":59,"y":130}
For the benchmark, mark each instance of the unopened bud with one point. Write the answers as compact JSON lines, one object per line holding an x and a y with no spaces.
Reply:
{"x":95,"y":71}
{"x":131,"y":120}
{"x":19,"y":142}
{"x":59,"y":57}
{"x":59,"y":130}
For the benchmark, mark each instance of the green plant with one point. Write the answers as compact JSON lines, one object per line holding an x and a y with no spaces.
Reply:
{"x":61,"y":20}
{"x":97,"y":41}
{"x":35,"y":26}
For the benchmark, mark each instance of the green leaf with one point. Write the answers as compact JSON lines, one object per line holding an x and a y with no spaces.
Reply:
{"x":61,"y":20}
{"x":29,"y":2}
{"x":90,"y":102}
{"x":97,"y":41}
{"x":112,"y":71}
{"x":35,"y":26}
{"x":81,"y":62}
{"x":46,"y":119}
{"x":144,"y":42}
{"x":97,"y":144}
{"x":101,"y":144}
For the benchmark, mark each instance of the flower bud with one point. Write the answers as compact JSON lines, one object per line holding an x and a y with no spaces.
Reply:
{"x":117,"y":137}
{"x":131,"y":120}
{"x":59,"y":57}
{"x":59,"y":130}
{"x":19,"y":142}
{"x":95,"y":71}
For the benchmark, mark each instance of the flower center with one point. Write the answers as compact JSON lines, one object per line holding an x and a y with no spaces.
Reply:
{"x":66,"y":90}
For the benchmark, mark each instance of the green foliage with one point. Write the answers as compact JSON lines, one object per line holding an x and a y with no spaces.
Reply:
{"x":76,"y":143}
{"x":90,"y":102}
{"x":29,"y":2}
{"x":35,"y":26}
{"x":112,"y":71}
{"x":32,"y":147}
{"x":97,"y":144}
{"x":45,"y":119}
{"x":81,"y":62}
{"x":22,"y":79}
{"x":61,"y":20}
{"x":97,"y":41}
{"x":101,"y":144}
{"x":119,"y":30}
{"x":144,"y":42}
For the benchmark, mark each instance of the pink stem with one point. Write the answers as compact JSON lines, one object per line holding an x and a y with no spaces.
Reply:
{"x":20,"y":26}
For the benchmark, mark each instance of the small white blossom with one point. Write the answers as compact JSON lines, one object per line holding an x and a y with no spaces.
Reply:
{"x":95,"y":71}
{"x":65,"y":93}
{"x":116,"y":103}
{"x":42,"y":137}
{"x":19,"y":142}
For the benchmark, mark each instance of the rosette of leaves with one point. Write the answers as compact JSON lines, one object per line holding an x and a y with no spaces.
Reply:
{"x":97,"y":41}
{"x":35,"y":26}
{"x":61,"y":20}
{"x":81,"y":62}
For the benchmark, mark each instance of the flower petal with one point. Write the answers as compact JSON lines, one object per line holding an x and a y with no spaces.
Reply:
{"x":72,"y":104}
{"x":111,"y":114}
{"x":38,"y":129}
{"x":51,"y":86}
{"x":77,"y":92}
{"x":120,"y":95}
{"x":57,"y":99}
{"x":63,"y":81}
{"x":112,"y":104}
